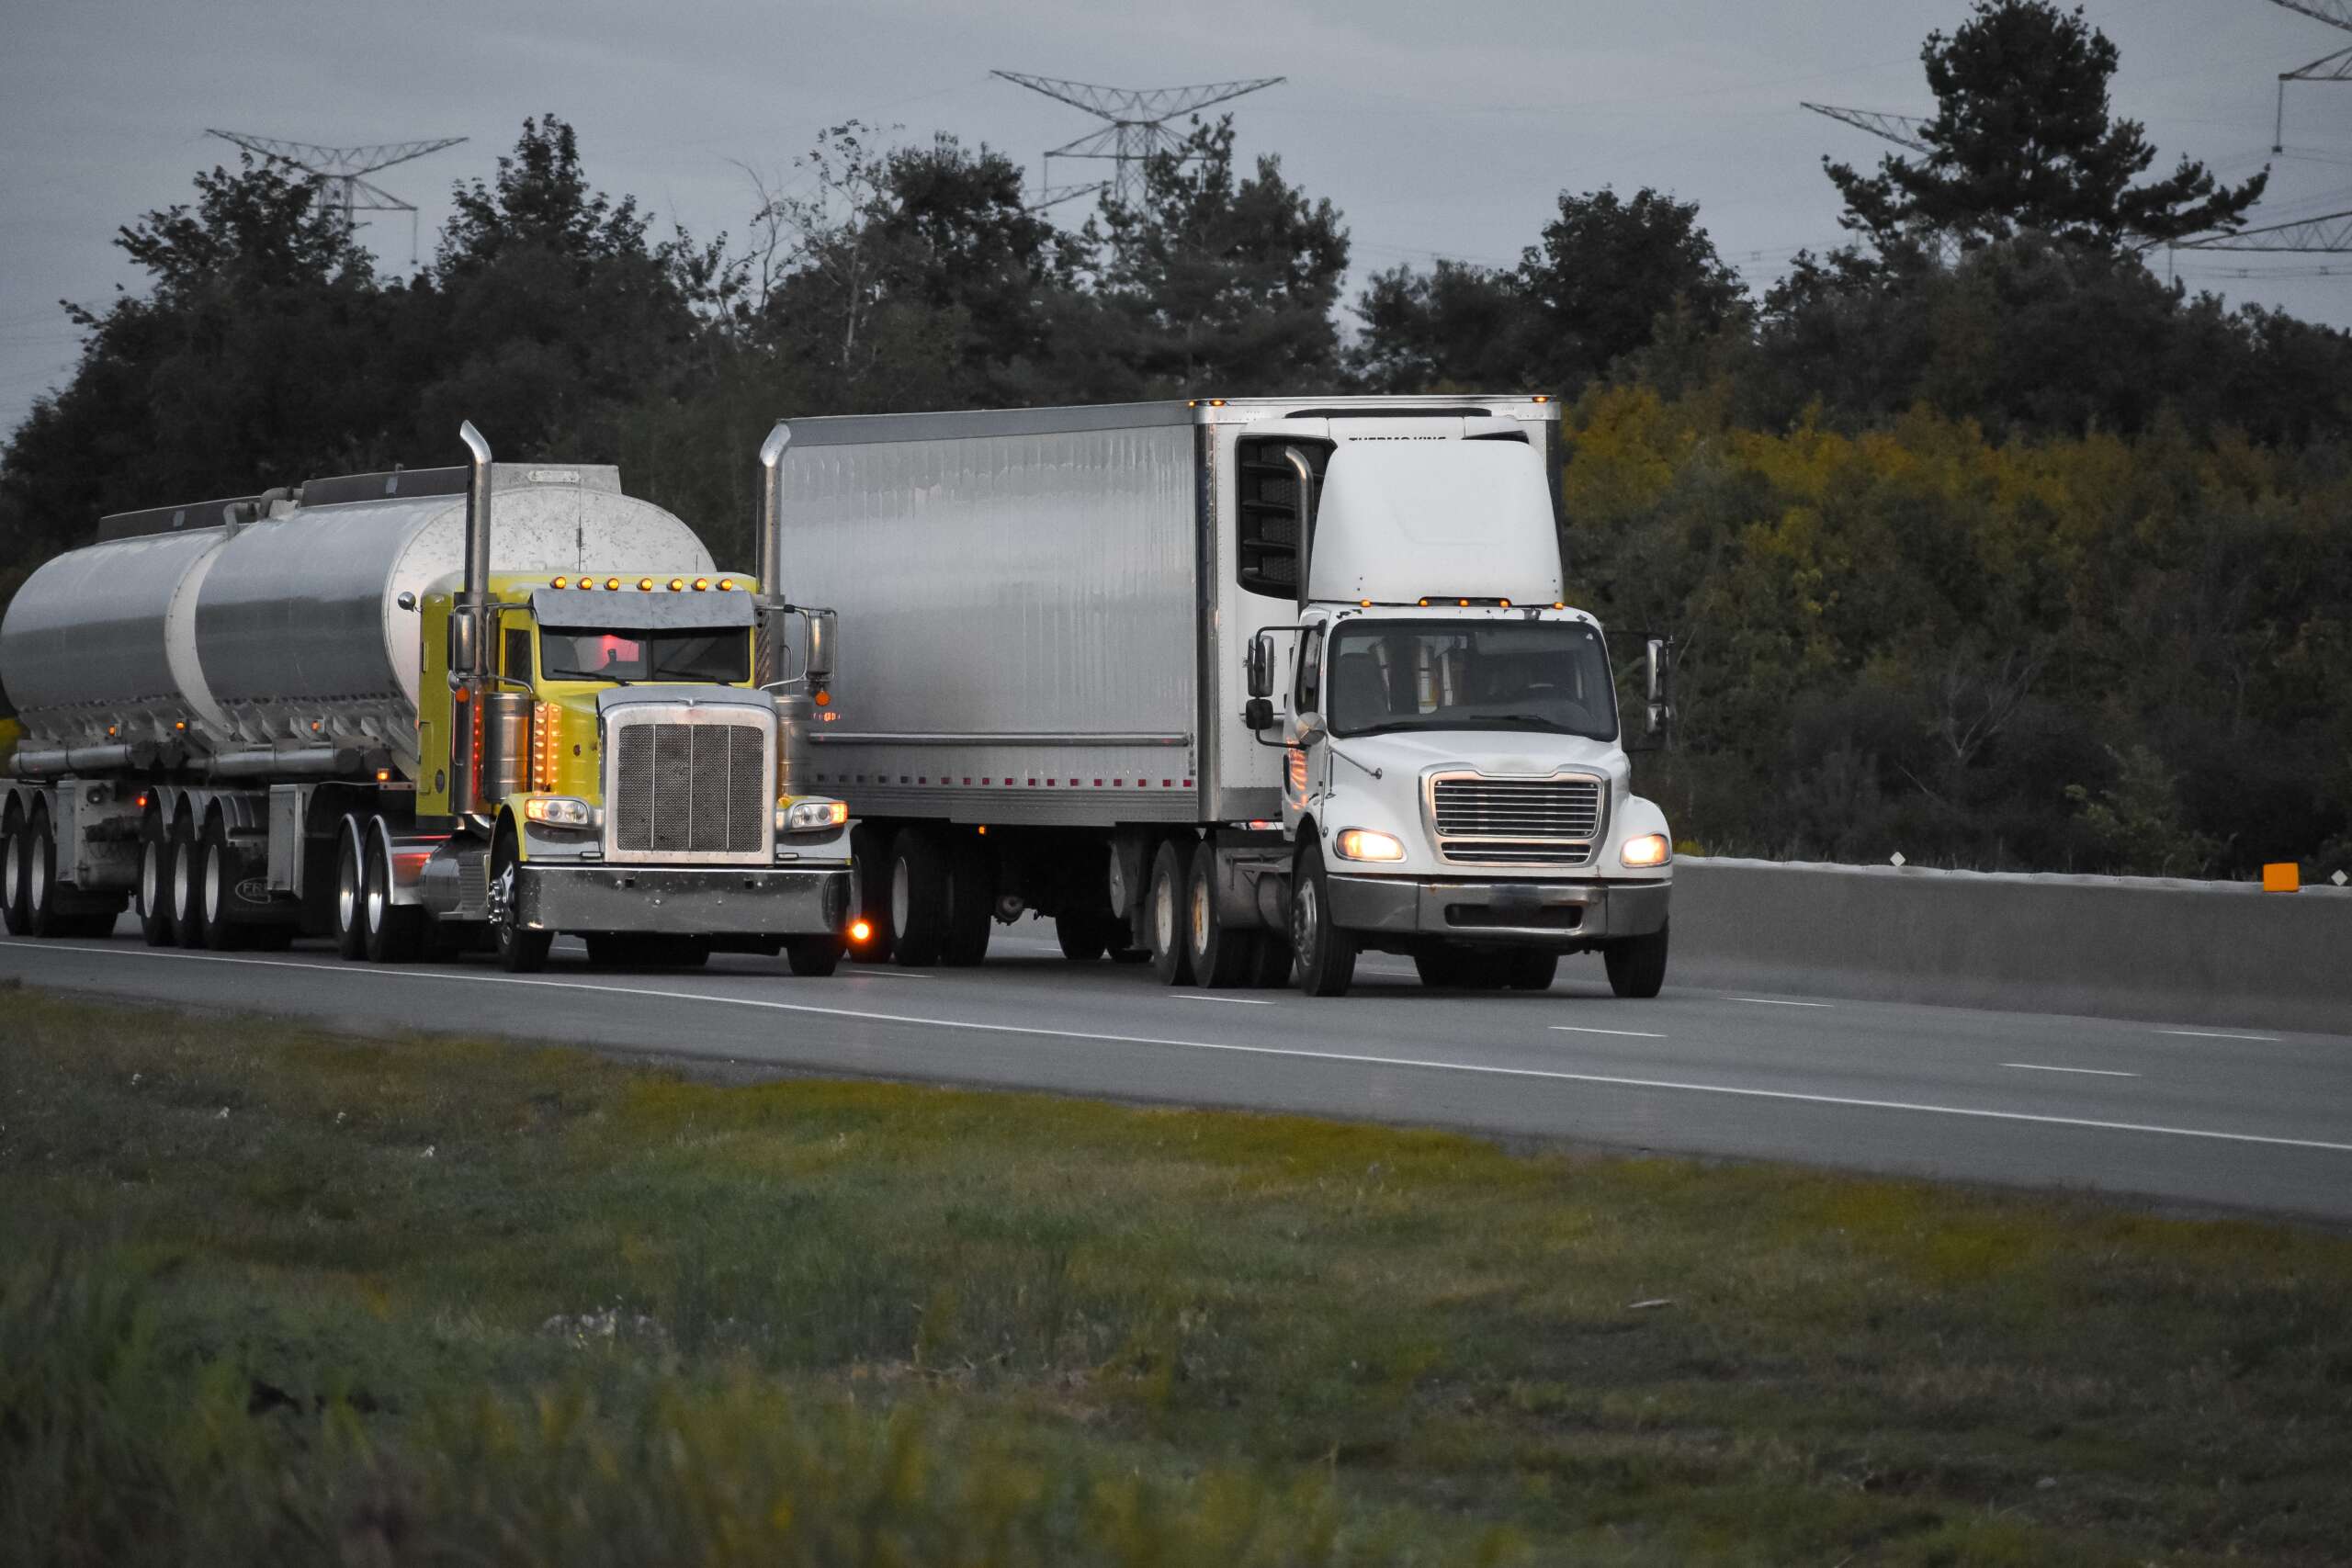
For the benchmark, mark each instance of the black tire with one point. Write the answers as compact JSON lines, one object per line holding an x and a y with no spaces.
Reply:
{"x":1083,"y":936}
{"x":188,"y":856}
{"x":869,"y":849}
{"x":813,"y":957}
{"x":520,"y":951}
{"x":1531,"y":969}
{"x":216,"y":890}
{"x":1637,"y":964}
{"x":16,"y":857}
{"x":346,"y":908}
{"x":1163,"y":910}
{"x":41,"y":917}
{"x":917,"y":909}
{"x":1221,"y":956}
{"x":155,"y":886}
{"x":394,"y":932}
{"x":1327,"y":955}
{"x":972,"y":901}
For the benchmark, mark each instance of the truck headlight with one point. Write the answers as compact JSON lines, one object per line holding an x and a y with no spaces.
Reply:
{"x":811,"y":815}
{"x":558,"y":812}
{"x":1362,"y":844}
{"x":1649,"y":848}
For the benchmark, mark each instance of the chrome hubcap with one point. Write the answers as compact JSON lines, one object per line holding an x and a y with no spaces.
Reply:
{"x":1163,"y":916}
{"x":901,"y":896}
{"x":14,"y":854}
{"x":37,"y":880}
{"x":150,"y":872}
{"x":347,"y":888}
{"x":212,"y":885}
{"x":1201,"y":918}
{"x":183,"y":881}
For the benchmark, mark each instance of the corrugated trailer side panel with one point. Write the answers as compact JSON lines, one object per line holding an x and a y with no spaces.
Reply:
{"x":1021,"y":608}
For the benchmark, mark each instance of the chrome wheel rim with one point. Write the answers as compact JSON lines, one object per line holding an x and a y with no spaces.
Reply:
{"x":213,"y":887}
{"x":346,"y":887}
{"x":151,"y":876}
{"x":36,"y":881}
{"x":901,"y":896}
{"x":14,"y":857}
{"x":1201,"y":916}
{"x":1302,"y":933}
{"x":1163,"y":916}
{"x":375,"y":894}
{"x":184,"y":880}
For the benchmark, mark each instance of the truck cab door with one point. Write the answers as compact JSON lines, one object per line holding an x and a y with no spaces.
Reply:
{"x":1304,"y":722}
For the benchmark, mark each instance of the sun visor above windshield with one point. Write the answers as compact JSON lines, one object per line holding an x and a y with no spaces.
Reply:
{"x":637,"y":611}
{"x":1435,"y":519}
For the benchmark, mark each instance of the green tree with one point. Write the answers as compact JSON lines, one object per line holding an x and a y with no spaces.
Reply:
{"x":1213,"y":283}
{"x":2024,"y":140}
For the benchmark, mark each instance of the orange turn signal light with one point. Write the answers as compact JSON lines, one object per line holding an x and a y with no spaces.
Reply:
{"x":859,"y":931}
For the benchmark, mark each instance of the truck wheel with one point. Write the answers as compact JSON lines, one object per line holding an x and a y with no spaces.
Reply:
{"x":14,"y":860}
{"x":394,"y":932}
{"x":216,"y":886}
{"x":349,"y":913}
{"x":1531,"y":970}
{"x":1083,"y":936}
{"x":1637,"y":964}
{"x":186,"y":866}
{"x":918,"y":906}
{"x":1221,"y":956}
{"x":1327,"y":955}
{"x":40,"y":878}
{"x":155,"y":886}
{"x":972,"y":901}
{"x":1163,"y":910}
{"x":520,"y":950}
{"x":869,"y":851}
{"x":813,"y":956}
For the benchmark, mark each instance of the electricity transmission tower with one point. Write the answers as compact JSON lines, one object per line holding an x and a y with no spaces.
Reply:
{"x":1903,"y":129}
{"x":2330,"y":231}
{"x":1139,"y":121}
{"x":339,"y":172}
{"x":2336,"y":67}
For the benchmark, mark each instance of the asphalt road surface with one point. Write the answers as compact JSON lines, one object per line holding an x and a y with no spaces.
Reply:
{"x":2206,"y":1115}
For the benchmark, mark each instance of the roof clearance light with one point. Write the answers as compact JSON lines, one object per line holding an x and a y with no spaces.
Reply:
{"x":677,"y":585}
{"x":703,"y":582}
{"x":1559,"y":604}
{"x":1542,"y":398}
{"x":727,"y":585}
{"x":612,"y":585}
{"x":560,"y":582}
{"x":645,"y":585}
{"x":1425,"y":604}
{"x":1364,"y":603}
{"x":1506,"y":603}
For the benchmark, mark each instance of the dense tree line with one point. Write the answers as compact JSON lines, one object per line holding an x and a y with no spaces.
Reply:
{"x":1985,"y":543}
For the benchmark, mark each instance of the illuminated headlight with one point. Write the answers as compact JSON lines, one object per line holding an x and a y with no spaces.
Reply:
{"x":1362,"y":844}
{"x":1650,"y":849}
{"x":558,"y":812}
{"x":811,"y":815}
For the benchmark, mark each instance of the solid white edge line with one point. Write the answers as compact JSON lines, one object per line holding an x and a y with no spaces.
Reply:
{"x":2093,"y":1072}
{"x":2217,"y":1034}
{"x":1580,"y":1029}
{"x":1353,"y":1058}
{"x":1781,"y":1002}
{"x":1243,"y":1001}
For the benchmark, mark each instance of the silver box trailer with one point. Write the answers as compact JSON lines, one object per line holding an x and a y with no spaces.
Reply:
{"x":1052,"y":711}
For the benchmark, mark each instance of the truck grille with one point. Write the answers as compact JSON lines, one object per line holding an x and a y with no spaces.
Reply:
{"x":1484,"y":821}
{"x":690,"y":789}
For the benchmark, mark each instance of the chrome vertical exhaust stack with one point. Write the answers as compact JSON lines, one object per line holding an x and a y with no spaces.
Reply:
{"x":466,"y":632}
{"x":769,"y":565}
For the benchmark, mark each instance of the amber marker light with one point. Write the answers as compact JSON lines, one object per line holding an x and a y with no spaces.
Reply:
{"x":645,"y":585}
{"x":823,"y":699}
{"x":560,"y":582}
{"x":860,"y":933}
{"x":612,"y":585}
{"x":701,"y":583}
{"x":726,"y":584}
{"x":678,"y":586}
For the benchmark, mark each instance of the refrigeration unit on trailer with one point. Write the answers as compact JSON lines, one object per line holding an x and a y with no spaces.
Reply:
{"x":1241,"y":685}
{"x":420,"y":710}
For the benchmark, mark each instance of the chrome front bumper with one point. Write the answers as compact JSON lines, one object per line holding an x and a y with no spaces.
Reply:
{"x":1564,"y":915}
{"x":685,"y":900}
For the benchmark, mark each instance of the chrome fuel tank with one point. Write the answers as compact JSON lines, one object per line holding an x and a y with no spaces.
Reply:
{"x":290,"y":628}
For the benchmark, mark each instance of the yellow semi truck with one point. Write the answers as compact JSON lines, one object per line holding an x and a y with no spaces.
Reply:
{"x":422,"y":711}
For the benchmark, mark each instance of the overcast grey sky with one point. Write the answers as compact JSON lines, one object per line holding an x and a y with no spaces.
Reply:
{"x":1437,"y":131}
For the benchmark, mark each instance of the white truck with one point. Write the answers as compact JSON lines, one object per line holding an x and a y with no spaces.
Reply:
{"x":1241,"y":685}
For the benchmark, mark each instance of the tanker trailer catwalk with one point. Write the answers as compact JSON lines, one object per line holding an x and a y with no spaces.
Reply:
{"x":1242,"y":686}
{"x":427,"y":710}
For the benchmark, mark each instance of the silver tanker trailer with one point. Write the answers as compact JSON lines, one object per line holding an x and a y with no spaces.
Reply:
{"x":354,"y":708}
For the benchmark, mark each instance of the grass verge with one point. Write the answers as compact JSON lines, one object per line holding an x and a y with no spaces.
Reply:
{"x":272,"y":1294}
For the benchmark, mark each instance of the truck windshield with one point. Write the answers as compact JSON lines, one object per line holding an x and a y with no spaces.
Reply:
{"x":1538,"y":675}
{"x":567,"y":653}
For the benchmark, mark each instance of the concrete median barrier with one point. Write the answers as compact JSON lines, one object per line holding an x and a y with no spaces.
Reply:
{"x":2224,"y":953}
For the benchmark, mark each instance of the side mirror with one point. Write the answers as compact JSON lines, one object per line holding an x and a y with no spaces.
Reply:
{"x":461,"y":642}
{"x":1658,"y":680}
{"x":823,"y":626}
{"x":1258,"y":713}
{"x":1260,"y":666}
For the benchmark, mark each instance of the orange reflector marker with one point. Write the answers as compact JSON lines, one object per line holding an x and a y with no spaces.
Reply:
{"x":860,"y":931}
{"x":823,"y":699}
{"x":2282,"y":876}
